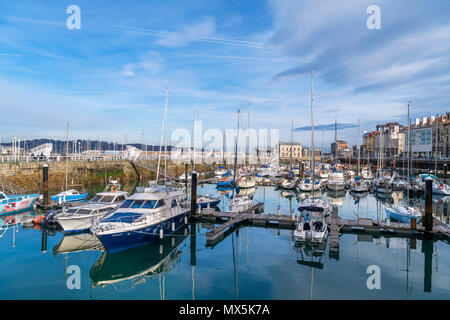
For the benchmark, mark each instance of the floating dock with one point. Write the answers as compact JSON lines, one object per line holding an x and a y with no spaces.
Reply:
{"x":231,"y":220}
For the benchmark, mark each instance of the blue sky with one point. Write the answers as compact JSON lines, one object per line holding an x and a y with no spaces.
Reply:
{"x":107,"y":79}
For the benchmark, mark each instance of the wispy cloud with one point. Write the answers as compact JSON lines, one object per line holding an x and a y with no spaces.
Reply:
{"x":327,"y":127}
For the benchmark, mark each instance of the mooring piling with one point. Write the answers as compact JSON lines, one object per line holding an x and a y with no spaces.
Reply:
{"x":45,"y":183}
{"x":193,"y":193}
{"x":428,"y":218}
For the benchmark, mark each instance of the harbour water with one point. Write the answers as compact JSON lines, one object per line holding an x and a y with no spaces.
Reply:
{"x":251,"y":263}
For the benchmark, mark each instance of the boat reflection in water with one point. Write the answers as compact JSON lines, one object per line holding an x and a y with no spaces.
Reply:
{"x":336,"y":197}
{"x":310,"y":255}
{"x":123,"y":270}
{"x":78,"y":242}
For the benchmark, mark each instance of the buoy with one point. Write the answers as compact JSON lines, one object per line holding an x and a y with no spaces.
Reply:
{"x":185,"y":220}
{"x":161,"y":233}
{"x":173,"y":226}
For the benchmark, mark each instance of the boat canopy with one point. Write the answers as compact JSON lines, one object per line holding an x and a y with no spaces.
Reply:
{"x":310,"y":208}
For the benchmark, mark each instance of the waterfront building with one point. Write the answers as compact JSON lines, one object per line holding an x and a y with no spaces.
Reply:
{"x":338,"y":148}
{"x":429,"y":137}
{"x":389,"y":140}
{"x":284,"y":151}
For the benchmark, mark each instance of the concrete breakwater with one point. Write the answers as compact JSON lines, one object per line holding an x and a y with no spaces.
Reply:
{"x":28,"y":175}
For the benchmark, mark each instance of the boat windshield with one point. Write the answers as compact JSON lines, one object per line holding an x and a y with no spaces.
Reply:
{"x":84,"y":211}
{"x":96,"y":199}
{"x":108,"y":199}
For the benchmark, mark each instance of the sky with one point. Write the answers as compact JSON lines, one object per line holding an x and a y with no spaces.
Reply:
{"x":108,"y":78}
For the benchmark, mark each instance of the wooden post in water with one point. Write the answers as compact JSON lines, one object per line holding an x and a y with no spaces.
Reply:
{"x":44,"y":241}
{"x":193,"y":193}
{"x":427,"y":250}
{"x":445,"y":172}
{"x":45,"y":183}
{"x":428,"y":218}
{"x":186,"y":173}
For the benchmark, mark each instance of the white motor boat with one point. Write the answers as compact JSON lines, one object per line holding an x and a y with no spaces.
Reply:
{"x":239,"y":203}
{"x":366,"y":173}
{"x":309,"y":185}
{"x":83,"y":217}
{"x":288,"y":184}
{"x":311,"y":225}
{"x":246,"y":182}
{"x":336,"y":181}
{"x":148,"y":215}
{"x":359,"y":185}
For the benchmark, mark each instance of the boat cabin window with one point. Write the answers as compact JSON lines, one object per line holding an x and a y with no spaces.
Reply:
{"x":127,"y":204}
{"x":137,"y":204}
{"x":174,"y":203}
{"x":159,"y":204}
{"x":108,"y":199}
{"x":84,"y":211}
{"x":149,"y":204}
{"x":119,"y":199}
{"x":96,"y":199}
{"x":71,"y":210}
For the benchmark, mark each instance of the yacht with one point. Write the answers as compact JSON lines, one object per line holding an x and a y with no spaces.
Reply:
{"x":366,"y":173}
{"x":246,"y":182}
{"x":83,"y":217}
{"x":311,"y":225}
{"x":359,"y":185}
{"x":309,"y":185}
{"x":150,"y":214}
{"x":336,"y":181}
{"x":239,"y":203}
{"x":70,"y":195}
{"x":403,"y":213}
{"x":16,"y":203}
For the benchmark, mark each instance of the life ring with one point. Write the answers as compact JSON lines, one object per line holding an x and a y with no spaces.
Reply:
{"x":441,"y":186}
{"x":113,"y":188}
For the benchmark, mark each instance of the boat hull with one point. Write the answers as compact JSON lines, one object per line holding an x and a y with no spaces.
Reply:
{"x":400,"y":217}
{"x":70,"y":198}
{"x":19,"y":206}
{"x":115,"y":242}
{"x":73,"y":224}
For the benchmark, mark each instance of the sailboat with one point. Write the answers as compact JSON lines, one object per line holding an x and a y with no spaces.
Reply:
{"x":358,"y":184}
{"x":311,"y":223}
{"x":69,"y":195}
{"x":237,"y":202}
{"x":404,"y":212}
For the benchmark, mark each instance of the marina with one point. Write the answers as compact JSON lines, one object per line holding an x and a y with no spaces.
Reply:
{"x":223,"y":150}
{"x":261,"y":256}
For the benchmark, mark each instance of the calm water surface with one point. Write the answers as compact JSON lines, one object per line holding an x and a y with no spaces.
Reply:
{"x":251,"y":263}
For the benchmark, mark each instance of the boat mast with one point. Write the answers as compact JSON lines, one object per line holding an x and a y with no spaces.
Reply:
{"x":359,"y":145}
{"x":248,"y":134}
{"x":67,"y":152}
{"x":292,"y":129}
{"x":160,"y":143}
{"x":409,"y":148}
{"x":235,"y":157}
{"x":312,"y":131}
{"x":165,"y":139}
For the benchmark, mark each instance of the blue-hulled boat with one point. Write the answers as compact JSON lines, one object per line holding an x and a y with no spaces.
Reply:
{"x":150,"y":214}
{"x":16,"y":203}
{"x":403,"y":214}
{"x":70,"y":196}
